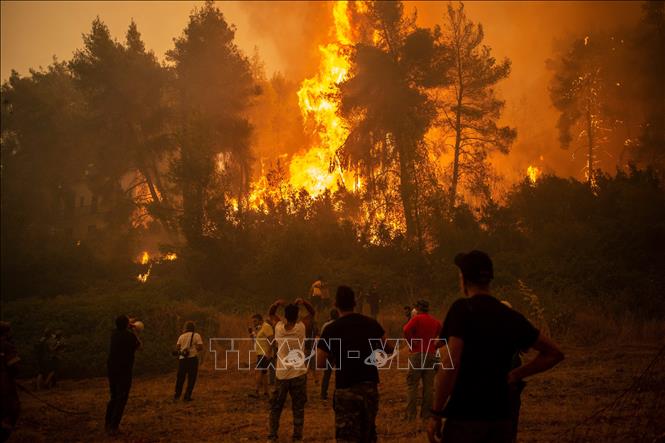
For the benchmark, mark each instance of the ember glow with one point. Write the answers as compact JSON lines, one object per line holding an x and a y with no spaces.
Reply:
{"x":145,"y":258}
{"x":219,"y":164}
{"x":533,"y":172}
{"x":144,"y":277}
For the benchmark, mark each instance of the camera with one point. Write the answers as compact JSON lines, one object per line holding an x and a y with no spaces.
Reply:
{"x":180,"y":353}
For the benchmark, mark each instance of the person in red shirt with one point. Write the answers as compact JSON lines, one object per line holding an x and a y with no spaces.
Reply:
{"x":422,"y":333}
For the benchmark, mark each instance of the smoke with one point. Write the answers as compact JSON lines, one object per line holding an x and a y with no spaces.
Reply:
{"x":289,"y":34}
{"x":528,"y":33}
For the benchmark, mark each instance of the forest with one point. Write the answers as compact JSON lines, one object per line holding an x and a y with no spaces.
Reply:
{"x":203,"y":181}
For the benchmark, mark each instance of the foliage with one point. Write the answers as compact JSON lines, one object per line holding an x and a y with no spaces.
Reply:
{"x":470,"y":109}
{"x":87,"y":320}
{"x":40,"y":114}
{"x":125,"y":91}
{"x":213,"y":85}
{"x":185,"y":130}
{"x":385,"y":103}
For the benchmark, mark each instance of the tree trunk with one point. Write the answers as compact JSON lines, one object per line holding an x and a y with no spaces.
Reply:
{"x":155,"y":193}
{"x":458,"y":141}
{"x":406,"y":189}
{"x":590,"y":155}
{"x":418,"y":224}
{"x":458,"y":129}
{"x":158,"y":180}
{"x":149,"y":182}
{"x":192,"y":204}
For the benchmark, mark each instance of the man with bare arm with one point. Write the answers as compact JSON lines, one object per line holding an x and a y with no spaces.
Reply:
{"x":350,"y":342}
{"x":291,"y":369}
{"x":482,"y":336}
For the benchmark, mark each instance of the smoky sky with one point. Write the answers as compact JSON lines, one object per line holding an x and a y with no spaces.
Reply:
{"x":287,"y":36}
{"x":525,"y":32}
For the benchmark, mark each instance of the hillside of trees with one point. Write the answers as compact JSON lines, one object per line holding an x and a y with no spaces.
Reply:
{"x":166,"y":154}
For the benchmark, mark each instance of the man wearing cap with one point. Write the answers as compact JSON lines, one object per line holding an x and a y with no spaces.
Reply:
{"x":482,"y":336}
{"x":421,"y":333}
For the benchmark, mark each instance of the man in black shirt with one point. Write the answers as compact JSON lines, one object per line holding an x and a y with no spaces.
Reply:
{"x":124,"y":344}
{"x":482,"y":337}
{"x":349,"y":342}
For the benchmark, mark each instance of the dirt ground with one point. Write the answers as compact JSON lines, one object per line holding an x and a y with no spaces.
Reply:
{"x":588,"y":380}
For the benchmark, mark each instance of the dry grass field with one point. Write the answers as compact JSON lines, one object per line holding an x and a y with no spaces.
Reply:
{"x":590,"y":378}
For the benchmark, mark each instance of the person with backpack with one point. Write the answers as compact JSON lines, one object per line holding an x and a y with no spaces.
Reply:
{"x":188,"y":348}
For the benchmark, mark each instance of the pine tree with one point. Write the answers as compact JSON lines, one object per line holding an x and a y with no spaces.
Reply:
{"x":469,"y":106}
{"x":213,"y":87}
{"x":387,"y":108}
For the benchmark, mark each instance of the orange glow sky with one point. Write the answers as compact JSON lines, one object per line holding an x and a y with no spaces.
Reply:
{"x":287,"y":34}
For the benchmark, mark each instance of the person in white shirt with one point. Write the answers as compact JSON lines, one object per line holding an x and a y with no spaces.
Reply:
{"x":188,"y":347}
{"x":291,"y":366}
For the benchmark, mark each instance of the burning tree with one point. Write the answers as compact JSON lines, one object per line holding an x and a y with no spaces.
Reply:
{"x":385,"y":104}
{"x":470,"y":109}
{"x":580,"y":91}
{"x":213,"y":87}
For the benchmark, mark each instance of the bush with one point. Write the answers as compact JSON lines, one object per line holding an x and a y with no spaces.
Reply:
{"x":87,"y":320}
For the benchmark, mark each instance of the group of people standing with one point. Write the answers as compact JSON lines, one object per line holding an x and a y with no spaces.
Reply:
{"x":477,"y":391}
{"x":124,"y":344}
{"x":320,"y":297}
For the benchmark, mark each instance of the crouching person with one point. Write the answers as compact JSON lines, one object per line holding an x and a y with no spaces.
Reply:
{"x":189,"y":345}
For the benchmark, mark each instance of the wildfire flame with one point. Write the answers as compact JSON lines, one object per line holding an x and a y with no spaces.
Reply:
{"x":318,"y":169}
{"x":533,"y":172}
{"x":145,"y":260}
{"x":144,"y":277}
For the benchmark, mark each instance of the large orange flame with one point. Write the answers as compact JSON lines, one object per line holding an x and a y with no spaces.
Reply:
{"x":318,"y":169}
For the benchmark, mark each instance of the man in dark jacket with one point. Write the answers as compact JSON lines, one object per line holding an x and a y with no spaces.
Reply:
{"x":124,"y":344}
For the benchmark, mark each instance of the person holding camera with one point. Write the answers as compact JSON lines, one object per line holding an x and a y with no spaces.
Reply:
{"x":188,"y":347}
{"x":120,"y":364}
